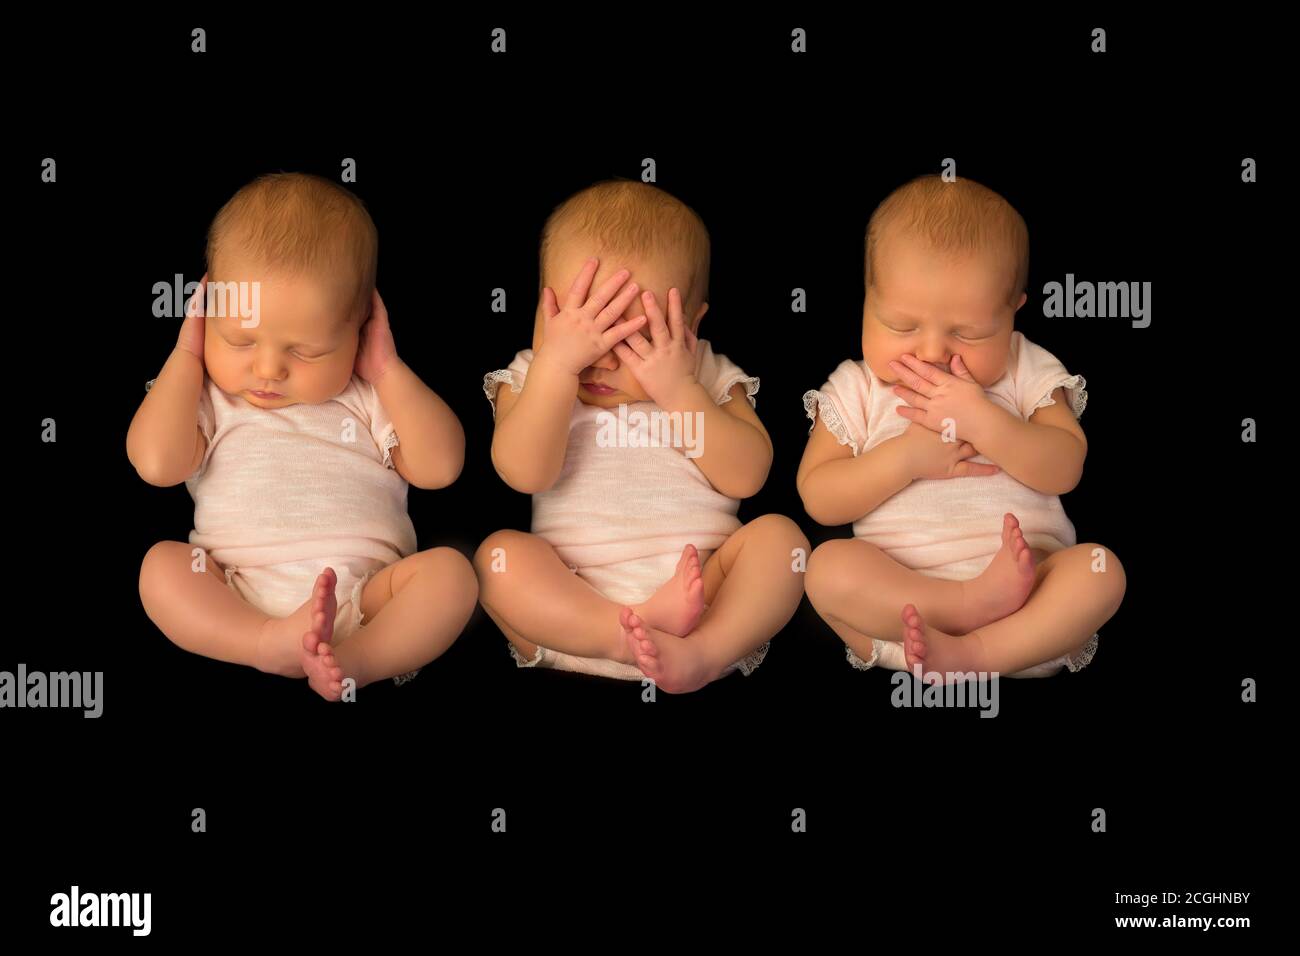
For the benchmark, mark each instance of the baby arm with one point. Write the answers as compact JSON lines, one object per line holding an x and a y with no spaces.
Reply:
{"x":164,"y":442}
{"x":839,"y":488}
{"x":532,"y":429}
{"x":1046,"y":453}
{"x":735,"y":451}
{"x":432,"y":449}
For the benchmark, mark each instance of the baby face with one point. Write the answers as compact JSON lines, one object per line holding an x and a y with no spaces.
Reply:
{"x":301,"y":349}
{"x":658,"y":274}
{"x":935,"y":307}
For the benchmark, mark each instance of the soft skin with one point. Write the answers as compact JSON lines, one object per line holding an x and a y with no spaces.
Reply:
{"x":603,"y":327}
{"x":938,"y":327}
{"x":304,"y":347}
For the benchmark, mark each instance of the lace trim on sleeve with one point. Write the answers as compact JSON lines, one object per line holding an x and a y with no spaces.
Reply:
{"x":492,"y":381}
{"x":812,"y":400}
{"x":751,"y":389}
{"x":390,"y":442}
{"x":1074,"y":383}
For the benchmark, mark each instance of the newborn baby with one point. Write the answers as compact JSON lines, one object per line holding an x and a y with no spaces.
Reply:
{"x":947,"y":446}
{"x":637,"y":565}
{"x":284,"y":425}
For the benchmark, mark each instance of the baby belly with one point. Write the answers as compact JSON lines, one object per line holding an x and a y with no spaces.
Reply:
{"x":632,"y":582}
{"x":952,"y":528}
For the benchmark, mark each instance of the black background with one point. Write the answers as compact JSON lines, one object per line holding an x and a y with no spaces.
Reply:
{"x":1126,"y":167}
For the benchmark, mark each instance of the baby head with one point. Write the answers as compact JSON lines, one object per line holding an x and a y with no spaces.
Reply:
{"x":628,"y":225}
{"x":313,"y":248}
{"x":946,"y":268}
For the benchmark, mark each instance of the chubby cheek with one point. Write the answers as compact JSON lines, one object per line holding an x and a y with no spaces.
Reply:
{"x":321,"y":381}
{"x":222,"y":368}
{"x":986,"y":365}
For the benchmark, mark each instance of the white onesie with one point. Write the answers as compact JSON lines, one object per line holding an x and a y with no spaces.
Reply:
{"x":620,"y":513}
{"x":951,"y":528}
{"x":282,"y":493}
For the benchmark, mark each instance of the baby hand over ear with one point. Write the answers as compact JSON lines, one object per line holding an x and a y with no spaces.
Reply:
{"x":376,"y":350}
{"x":192,"y":328}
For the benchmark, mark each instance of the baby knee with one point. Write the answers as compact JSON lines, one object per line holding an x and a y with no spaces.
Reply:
{"x":825,"y":577}
{"x":493,"y":549}
{"x":158,"y":560}
{"x":1103,"y":560}
{"x":782,"y":528}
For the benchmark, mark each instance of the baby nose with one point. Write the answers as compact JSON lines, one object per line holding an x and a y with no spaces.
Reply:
{"x":608,"y":361}
{"x":267,"y":366}
{"x":935,"y":356}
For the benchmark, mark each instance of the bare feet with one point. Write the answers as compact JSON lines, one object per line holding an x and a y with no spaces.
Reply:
{"x":675,"y":664}
{"x":677,"y":605}
{"x":936,"y":653}
{"x":1003,"y":587}
{"x":280,"y":644}
{"x":324,"y":675}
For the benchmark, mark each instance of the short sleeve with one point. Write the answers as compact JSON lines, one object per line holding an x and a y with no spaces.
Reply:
{"x":842,"y":405}
{"x":207,"y":418}
{"x":382,"y":429}
{"x":513,"y":375}
{"x":1038,"y":374}
{"x":719,"y":375}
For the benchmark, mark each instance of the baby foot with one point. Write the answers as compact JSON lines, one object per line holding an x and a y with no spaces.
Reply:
{"x":280,"y":643}
{"x":677,"y":605}
{"x":674,"y":663}
{"x":1003,"y":587}
{"x":935,"y":652}
{"x":324,"y":675}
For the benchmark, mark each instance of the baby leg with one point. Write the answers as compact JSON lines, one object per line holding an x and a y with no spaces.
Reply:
{"x":857,"y":589}
{"x":752,"y":588}
{"x":414,"y":608}
{"x":192,"y":604}
{"x":523,"y":583}
{"x":1074,"y":595}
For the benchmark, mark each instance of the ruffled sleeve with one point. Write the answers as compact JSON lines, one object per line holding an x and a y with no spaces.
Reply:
{"x":382,"y":429}
{"x":513,"y":375}
{"x":718,"y":375}
{"x":842,"y":404}
{"x":1039,"y":373}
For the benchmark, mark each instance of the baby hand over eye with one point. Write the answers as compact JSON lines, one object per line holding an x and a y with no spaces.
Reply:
{"x":587,"y":327}
{"x":665,"y":365}
{"x":933,"y":396}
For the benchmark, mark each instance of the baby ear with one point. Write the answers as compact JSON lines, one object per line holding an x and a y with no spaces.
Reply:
{"x":699,"y":317}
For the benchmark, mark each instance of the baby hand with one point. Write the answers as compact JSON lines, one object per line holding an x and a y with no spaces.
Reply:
{"x":935,"y":395}
{"x":664,"y":366}
{"x":192,"y":328}
{"x":577,"y":335}
{"x":376,"y":351}
{"x":929,"y":456}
